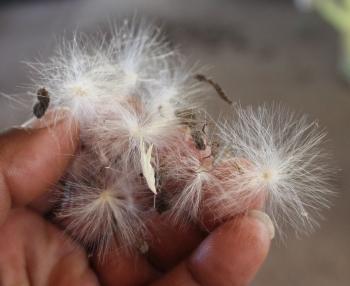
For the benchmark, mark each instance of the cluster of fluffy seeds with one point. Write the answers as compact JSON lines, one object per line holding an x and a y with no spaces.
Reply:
{"x":145,"y":145}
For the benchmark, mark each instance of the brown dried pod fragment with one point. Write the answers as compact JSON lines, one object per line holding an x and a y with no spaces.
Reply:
{"x":216,"y":86}
{"x":198,"y":138}
{"x":42,"y":105}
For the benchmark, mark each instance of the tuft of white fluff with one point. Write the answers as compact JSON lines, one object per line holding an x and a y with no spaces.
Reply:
{"x":120,"y":134}
{"x":141,"y":53}
{"x":91,"y":76}
{"x":190,"y":172}
{"x":79,"y":77}
{"x":123,"y":89}
{"x":188,"y":175}
{"x":98,"y":206}
{"x":278,"y":158}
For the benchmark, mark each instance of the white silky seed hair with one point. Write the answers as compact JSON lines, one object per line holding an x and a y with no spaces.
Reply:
{"x":282,"y":161}
{"x":98,"y":207}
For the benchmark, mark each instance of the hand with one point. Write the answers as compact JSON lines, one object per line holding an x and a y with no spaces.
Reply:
{"x":35,"y":252}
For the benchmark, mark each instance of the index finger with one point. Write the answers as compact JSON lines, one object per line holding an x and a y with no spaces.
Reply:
{"x":32,"y":160}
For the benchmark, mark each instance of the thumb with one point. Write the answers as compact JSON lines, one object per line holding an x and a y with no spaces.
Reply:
{"x":230,"y":256}
{"x":32,"y":159}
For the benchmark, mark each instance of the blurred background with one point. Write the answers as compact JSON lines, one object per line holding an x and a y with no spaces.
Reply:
{"x":259,"y":51}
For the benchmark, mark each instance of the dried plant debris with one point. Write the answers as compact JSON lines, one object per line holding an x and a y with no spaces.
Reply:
{"x":216,"y":86}
{"x":42,"y":105}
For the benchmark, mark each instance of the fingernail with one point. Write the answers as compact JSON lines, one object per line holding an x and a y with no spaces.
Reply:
{"x":51,"y":118}
{"x":144,"y":247}
{"x":265,"y":219}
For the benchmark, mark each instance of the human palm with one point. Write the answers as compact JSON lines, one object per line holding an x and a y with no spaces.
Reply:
{"x":33,"y":251}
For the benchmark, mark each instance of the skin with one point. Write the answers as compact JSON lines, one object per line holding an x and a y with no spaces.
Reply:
{"x":33,"y":251}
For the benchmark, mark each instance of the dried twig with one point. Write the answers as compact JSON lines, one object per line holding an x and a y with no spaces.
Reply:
{"x":216,"y":86}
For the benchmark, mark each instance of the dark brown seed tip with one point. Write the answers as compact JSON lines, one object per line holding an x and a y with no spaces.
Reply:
{"x":42,"y":92}
{"x":39,"y":110}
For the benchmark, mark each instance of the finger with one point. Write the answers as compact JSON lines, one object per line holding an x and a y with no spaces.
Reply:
{"x":170,"y":243}
{"x":118,"y":268}
{"x":47,"y":258}
{"x":231,"y":255}
{"x":32,"y":160}
{"x":209,"y":219}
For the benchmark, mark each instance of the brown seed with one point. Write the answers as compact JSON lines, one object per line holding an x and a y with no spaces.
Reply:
{"x":42,"y":105}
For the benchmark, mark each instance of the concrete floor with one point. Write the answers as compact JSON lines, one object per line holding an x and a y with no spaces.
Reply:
{"x":259,"y":51}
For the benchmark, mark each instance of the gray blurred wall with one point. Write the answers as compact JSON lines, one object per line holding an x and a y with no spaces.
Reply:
{"x":260,"y":51}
